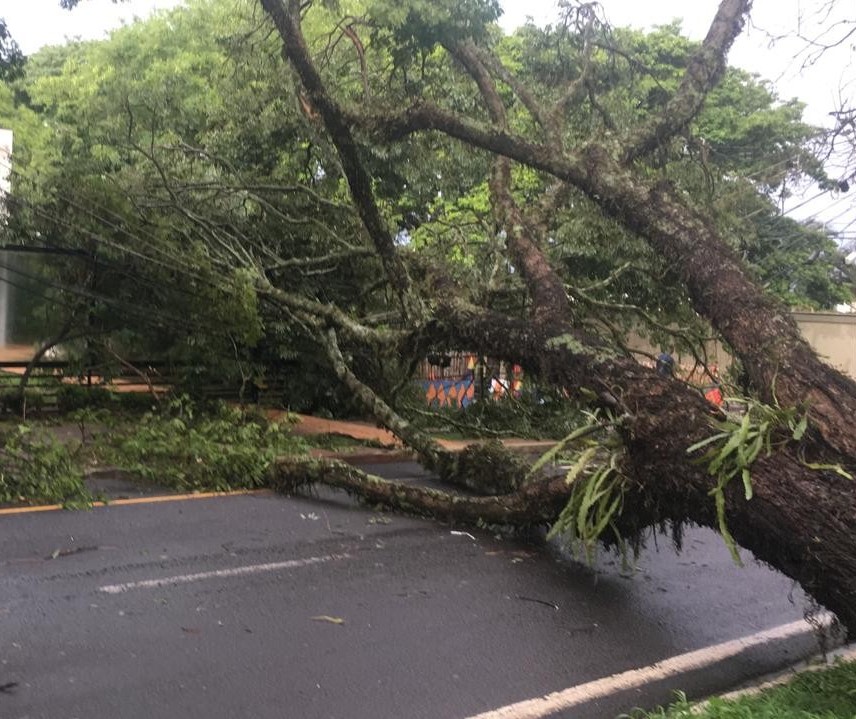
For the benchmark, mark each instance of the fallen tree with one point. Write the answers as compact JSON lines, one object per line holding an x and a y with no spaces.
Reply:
{"x":557,"y":141}
{"x":801,"y":517}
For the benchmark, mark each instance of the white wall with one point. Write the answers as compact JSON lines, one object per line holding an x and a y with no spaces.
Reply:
{"x":5,"y":189}
{"x":5,"y":165}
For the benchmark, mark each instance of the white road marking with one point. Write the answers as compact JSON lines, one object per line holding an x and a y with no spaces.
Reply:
{"x":698,"y":659}
{"x":233,"y":572}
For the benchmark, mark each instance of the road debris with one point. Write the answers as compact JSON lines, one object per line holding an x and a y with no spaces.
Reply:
{"x":458,"y":533}
{"x":328,"y":619}
{"x":537,"y":601}
{"x":56,"y":553}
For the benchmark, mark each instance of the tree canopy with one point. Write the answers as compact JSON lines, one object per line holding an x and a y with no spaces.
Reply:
{"x":191,"y":105}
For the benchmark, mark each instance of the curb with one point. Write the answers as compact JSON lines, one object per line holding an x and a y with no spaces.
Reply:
{"x":815,"y":663}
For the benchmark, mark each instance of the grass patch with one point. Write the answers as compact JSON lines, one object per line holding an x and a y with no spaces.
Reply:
{"x":822,"y":694}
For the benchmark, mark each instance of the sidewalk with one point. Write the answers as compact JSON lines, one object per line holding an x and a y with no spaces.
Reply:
{"x":391,"y":449}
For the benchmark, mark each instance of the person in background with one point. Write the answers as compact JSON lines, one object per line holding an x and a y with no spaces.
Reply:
{"x":472,"y":363}
{"x":665,"y":364}
{"x":713,"y":392}
{"x":517,"y":381}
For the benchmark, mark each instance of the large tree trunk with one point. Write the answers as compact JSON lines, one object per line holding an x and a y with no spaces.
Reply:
{"x":759,"y":330}
{"x":800,"y":520}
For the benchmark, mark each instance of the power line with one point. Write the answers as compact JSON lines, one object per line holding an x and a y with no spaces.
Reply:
{"x":147,"y":315}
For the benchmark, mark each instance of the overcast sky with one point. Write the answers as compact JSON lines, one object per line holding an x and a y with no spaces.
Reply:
{"x":821,"y":85}
{"x":38,"y":22}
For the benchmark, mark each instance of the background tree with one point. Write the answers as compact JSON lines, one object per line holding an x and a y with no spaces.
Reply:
{"x":11,"y":57}
{"x":166,"y":145}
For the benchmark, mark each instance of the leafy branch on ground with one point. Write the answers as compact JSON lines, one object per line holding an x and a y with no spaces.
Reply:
{"x":187,"y":450}
{"x":36,"y":468}
{"x":178,"y":445}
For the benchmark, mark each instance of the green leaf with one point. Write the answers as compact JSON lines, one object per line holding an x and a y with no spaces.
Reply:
{"x":719,"y":498}
{"x":837,"y":468}
{"x":698,"y":445}
{"x":747,"y":483}
{"x":582,"y":462}
{"x":551,"y":454}
{"x":800,"y":429}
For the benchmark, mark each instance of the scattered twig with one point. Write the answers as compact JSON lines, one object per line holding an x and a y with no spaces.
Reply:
{"x":328,"y":619}
{"x":57,"y":553}
{"x":537,"y":601}
{"x":458,"y":533}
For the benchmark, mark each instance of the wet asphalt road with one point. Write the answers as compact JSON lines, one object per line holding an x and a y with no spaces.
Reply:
{"x":265,"y":606}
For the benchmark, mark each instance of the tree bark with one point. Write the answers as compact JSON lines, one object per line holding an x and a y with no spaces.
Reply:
{"x":537,"y":503}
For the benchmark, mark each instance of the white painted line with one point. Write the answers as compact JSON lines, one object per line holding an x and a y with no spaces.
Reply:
{"x":233,"y":572}
{"x":634,"y":678}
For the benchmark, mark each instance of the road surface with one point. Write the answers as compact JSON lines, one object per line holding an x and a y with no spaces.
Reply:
{"x":312,"y":607}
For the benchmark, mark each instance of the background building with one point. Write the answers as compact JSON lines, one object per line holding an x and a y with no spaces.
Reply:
{"x":5,"y":189}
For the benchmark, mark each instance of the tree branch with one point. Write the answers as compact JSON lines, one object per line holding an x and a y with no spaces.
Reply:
{"x":536,"y":503}
{"x":315,"y":312}
{"x":703,"y":72}
{"x":545,"y":287}
{"x":432,"y":454}
{"x":294,"y":48}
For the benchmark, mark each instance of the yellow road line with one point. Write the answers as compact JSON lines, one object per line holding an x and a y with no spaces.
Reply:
{"x":139,"y":500}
